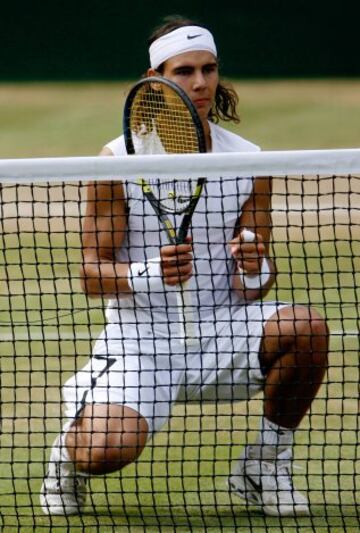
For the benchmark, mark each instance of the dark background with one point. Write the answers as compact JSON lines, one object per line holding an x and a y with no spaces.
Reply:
{"x":107,"y":39}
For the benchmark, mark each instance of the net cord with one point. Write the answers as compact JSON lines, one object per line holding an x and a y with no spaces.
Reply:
{"x":227,"y":165}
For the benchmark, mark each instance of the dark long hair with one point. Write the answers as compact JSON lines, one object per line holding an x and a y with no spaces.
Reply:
{"x":226,"y":99}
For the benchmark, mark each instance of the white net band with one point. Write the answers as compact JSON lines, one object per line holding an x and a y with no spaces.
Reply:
{"x":226,"y":165}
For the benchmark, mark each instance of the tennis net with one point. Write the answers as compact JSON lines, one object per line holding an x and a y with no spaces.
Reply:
{"x":48,"y":328}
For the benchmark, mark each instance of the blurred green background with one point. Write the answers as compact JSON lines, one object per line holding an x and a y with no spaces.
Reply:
{"x":78,"y":118}
{"x":66,"y":67}
{"x":65,"y":70}
{"x":104,"y":39}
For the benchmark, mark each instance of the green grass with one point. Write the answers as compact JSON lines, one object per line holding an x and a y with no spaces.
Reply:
{"x":66,"y":119}
{"x":179,"y":481}
{"x":180,"y":478}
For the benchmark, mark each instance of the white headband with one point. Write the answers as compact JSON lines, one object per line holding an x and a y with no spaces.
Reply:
{"x":185,"y":39}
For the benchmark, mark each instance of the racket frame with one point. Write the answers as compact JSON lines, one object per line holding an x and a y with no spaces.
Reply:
{"x":129,"y":101}
{"x":187,"y":326}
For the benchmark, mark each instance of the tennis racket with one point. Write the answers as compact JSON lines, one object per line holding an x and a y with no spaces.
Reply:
{"x":160,"y":118}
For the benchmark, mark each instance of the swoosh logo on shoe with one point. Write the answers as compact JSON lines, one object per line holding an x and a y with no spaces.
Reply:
{"x":194,"y":36}
{"x":256,"y":486}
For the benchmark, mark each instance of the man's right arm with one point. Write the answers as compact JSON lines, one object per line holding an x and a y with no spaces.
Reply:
{"x":103,"y":232}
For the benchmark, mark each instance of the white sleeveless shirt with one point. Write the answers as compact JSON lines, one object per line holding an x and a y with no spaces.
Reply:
{"x":212,"y":228}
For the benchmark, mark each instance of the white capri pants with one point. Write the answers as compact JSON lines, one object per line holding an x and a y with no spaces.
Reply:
{"x":150,"y":374}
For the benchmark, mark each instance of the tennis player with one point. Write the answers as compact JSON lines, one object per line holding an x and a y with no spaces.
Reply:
{"x":139,"y":368}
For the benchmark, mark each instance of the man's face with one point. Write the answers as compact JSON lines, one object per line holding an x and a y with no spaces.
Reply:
{"x":197,"y":75}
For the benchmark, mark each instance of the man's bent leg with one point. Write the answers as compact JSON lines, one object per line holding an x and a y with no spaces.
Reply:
{"x":294,"y":358}
{"x":96,"y":443}
{"x":105,"y":438}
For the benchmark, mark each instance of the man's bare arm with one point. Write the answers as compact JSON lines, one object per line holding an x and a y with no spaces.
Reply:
{"x":103,"y":233}
{"x":250,"y":254}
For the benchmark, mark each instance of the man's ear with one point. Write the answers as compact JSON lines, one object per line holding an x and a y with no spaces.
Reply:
{"x":152,"y":72}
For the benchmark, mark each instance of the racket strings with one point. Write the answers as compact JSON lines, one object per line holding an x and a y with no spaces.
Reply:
{"x":158,"y":111}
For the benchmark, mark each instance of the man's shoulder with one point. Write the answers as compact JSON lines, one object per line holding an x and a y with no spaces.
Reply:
{"x":223,"y":141}
{"x":227,"y":141}
{"x":117,"y":146}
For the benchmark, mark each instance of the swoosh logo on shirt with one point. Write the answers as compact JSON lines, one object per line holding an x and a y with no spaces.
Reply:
{"x":194,"y":36}
{"x":142,"y":272}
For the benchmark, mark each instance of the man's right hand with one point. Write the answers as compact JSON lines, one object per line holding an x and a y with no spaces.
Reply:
{"x":177,"y":262}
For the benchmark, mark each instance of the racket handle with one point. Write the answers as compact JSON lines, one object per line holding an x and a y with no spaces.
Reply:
{"x":186,"y":316}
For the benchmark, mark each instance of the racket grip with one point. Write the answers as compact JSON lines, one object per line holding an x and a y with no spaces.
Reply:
{"x":186,"y":316}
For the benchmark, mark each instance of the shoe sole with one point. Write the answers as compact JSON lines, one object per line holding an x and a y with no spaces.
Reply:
{"x":57,"y":510}
{"x":256,"y":501}
{"x":292,"y":512}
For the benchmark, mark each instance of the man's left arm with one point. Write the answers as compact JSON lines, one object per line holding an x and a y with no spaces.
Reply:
{"x":254,"y":271}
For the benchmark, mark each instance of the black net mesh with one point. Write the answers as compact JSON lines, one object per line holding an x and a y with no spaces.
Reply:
{"x":49,"y":326}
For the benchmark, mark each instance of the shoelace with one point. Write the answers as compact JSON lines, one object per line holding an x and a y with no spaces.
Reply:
{"x":284,"y":478}
{"x":282,"y":473}
{"x":65,"y":482}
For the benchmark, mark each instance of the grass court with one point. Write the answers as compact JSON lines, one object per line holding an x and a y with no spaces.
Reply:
{"x":47,"y":327}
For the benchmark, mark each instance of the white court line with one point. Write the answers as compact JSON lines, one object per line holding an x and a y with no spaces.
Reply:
{"x":83,"y":336}
{"x":9,"y":336}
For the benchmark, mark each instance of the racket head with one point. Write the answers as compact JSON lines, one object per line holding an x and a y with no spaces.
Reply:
{"x":159,"y":117}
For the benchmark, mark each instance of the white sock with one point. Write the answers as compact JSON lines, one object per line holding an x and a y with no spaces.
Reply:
{"x":271,"y":440}
{"x":64,"y":453}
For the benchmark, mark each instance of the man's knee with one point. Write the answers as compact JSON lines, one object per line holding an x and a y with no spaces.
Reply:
{"x":107,"y":453}
{"x":312,"y":339}
{"x":101,"y":444}
{"x":297,"y":330}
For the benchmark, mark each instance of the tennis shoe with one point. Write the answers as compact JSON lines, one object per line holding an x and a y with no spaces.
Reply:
{"x":268,"y":484}
{"x":63,"y":491}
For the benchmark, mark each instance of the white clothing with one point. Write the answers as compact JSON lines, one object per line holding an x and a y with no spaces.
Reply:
{"x":179,"y":41}
{"x":222,"y":141}
{"x":151,"y":374}
{"x":138,"y":360}
{"x":210,"y":233}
